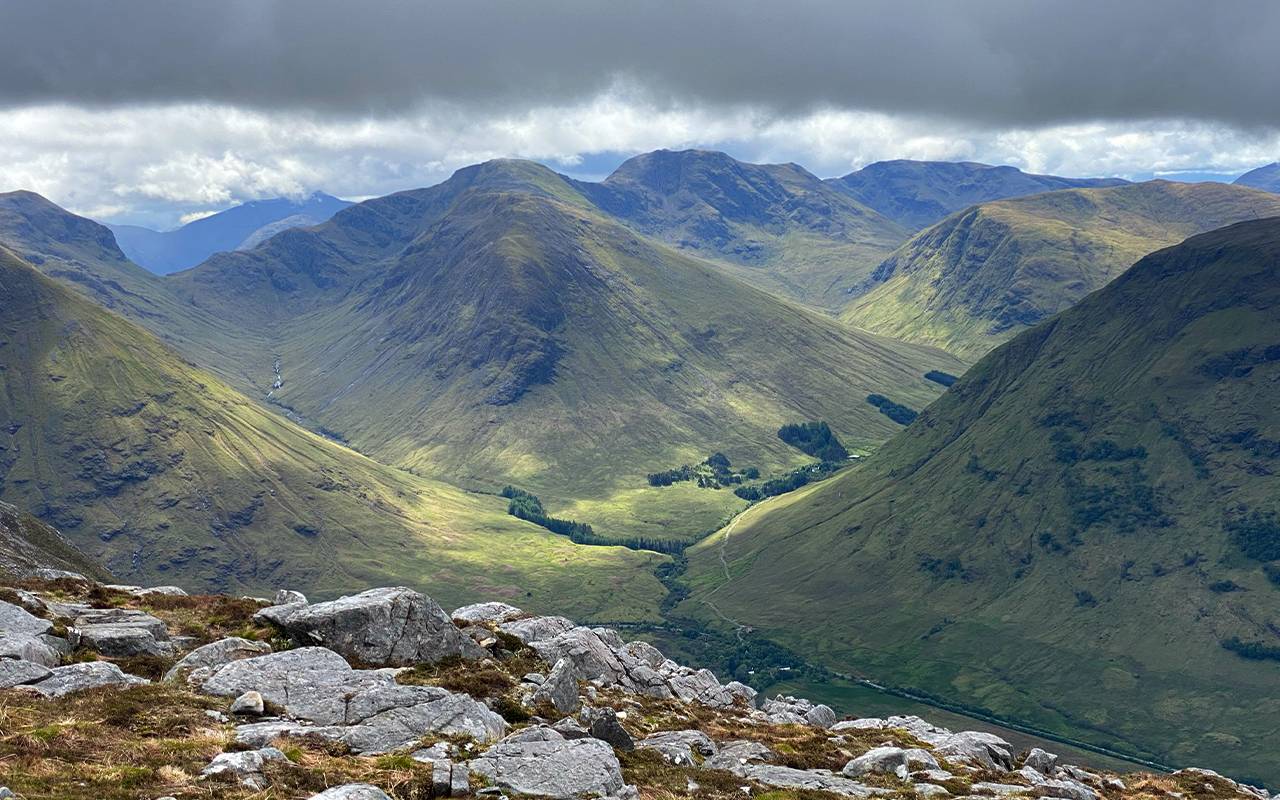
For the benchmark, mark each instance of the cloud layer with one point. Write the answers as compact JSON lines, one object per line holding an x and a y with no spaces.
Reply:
{"x":149,"y":110}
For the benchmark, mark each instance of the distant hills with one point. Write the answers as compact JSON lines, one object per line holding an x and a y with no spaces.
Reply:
{"x":916,"y":194}
{"x":1266,"y":178}
{"x":1083,"y":533}
{"x":776,"y":226}
{"x":27,"y":544}
{"x":500,"y":328}
{"x":238,"y":228}
{"x":165,"y":474}
{"x":984,"y":274}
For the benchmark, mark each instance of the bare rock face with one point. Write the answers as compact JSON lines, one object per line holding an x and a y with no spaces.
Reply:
{"x":383,"y":627}
{"x":15,"y":672}
{"x":891,"y":761}
{"x":17,"y":621}
{"x":560,"y":689}
{"x":494,"y":612}
{"x":365,"y":709}
{"x":200,"y":663}
{"x":79,"y":677}
{"x":561,"y":769}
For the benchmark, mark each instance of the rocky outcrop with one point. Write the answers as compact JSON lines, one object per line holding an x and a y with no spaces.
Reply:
{"x":244,"y":768}
{"x":679,"y":747}
{"x":798,"y":711}
{"x":890,"y":761}
{"x":556,"y":768}
{"x":15,"y":672}
{"x":62,"y":681}
{"x":201,"y":662}
{"x":493,"y":613}
{"x":821,"y":780}
{"x":382,"y":627}
{"x":559,"y":689}
{"x":365,"y":709}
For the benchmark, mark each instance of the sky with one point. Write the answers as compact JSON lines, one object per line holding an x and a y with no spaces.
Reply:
{"x":153,"y":111}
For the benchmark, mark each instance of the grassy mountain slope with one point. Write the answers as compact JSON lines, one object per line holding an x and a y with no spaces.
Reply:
{"x":916,"y":194}
{"x":1266,"y":178}
{"x":167,"y":475}
{"x":1071,"y":533}
{"x":237,"y":228}
{"x":773,"y":225}
{"x":979,"y":277}
{"x":522,"y":338}
{"x":28,"y":544}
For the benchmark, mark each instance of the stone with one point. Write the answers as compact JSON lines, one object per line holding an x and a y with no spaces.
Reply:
{"x":603,"y":724}
{"x":278,"y":615}
{"x":570,"y":728}
{"x":799,"y":711}
{"x":537,"y":629}
{"x":535,"y":733}
{"x":976,"y":747}
{"x":441,"y":777}
{"x":1040,"y":761}
{"x":566,"y":769}
{"x":1065,"y":788}
{"x":790,"y":778}
{"x":5,"y":794}
{"x":260,"y":734}
{"x":999,"y":789}
{"x":386,"y":627}
{"x":365,"y":709}
{"x":79,"y":677}
{"x":249,"y":704}
{"x":536,"y":678}
{"x":14,"y":672}
{"x":36,"y":649}
{"x":890,"y":761}
{"x":122,"y":641}
{"x":58,"y":575}
{"x":459,"y":780}
{"x":560,"y":689}
{"x":122,"y":617}
{"x":352,"y":791}
{"x":216,"y":654}
{"x":30,"y":602}
{"x":678,"y":747}
{"x":737,"y":753}
{"x":494,"y":613}
{"x":171,"y":591}
{"x":287,"y":597}
{"x":245,"y":767}
{"x":17,"y":621}
{"x":930,"y":790}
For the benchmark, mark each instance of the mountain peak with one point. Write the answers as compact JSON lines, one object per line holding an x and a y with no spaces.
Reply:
{"x":1266,"y":177}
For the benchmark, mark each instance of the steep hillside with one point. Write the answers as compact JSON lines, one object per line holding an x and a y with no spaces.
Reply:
{"x":163,"y":473}
{"x":497,"y":329}
{"x":1083,"y":533}
{"x":979,"y":277}
{"x":1266,"y":178}
{"x":27,"y":544}
{"x":239,"y":228}
{"x":774,"y":225}
{"x":916,"y":194}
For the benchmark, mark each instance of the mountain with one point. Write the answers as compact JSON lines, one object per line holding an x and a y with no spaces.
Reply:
{"x":980,"y":276}
{"x":773,"y":225}
{"x":239,"y":228}
{"x":498,"y":328}
{"x":1266,"y":178}
{"x":27,"y":544}
{"x":916,"y":194}
{"x":165,"y":474}
{"x":1083,"y":533}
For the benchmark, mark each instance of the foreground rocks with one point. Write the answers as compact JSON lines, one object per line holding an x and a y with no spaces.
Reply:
{"x":574,"y":713}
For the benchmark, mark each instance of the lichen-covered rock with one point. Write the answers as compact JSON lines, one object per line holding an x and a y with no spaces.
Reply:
{"x":365,"y":709}
{"x":1040,"y":761}
{"x":560,"y":689}
{"x":386,"y":627}
{"x":492,"y":612}
{"x":249,"y":704}
{"x":288,"y":597}
{"x":79,"y":677}
{"x":678,"y":747}
{"x":14,"y":672}
{"x":603,"y":723}
{"x":244,"y":768}
{"x":36,"y":649}
{"x":17,"y":621}
{"x":798,"y":711}
{"x":537,"y":629}
{"x":122,"y":641}
{"x":352,"y":791}
{"x":890,"y":761}
{"x":214,"y":655}
{"x":737,"y":753}
{"x":975,"y":747}
{"x":564,"y":769}
{"x":791,"y":778}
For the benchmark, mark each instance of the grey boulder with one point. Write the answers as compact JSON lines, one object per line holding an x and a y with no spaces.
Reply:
{"x":1040,"y":761}
{"x":244,"y":768}
{"x":891,"y":761}
{"x":678,"y":747}
{"x":122,"y":632}
{"x":249,"y":704}
{"x":199,"y":663}
{"x":45,"y":574}
{"x":42,"y":649}
{"x":537,"y":629}
{"x":14,"y":672}
{"x":564,"y":769}
{"x":738,"y":753}
{"x":79,"y":677}
{"x":559,"y":689}
{"x":976,"y":747}
{"x":17,"y":621}
{"x":821,"y":780}
{"x":288,"y":597}
{"x":352,"y":791}
{"x":602,"y":723}
{"x":798,"y":711}
{"x":385,"y":627}
{"x":493,"y":612}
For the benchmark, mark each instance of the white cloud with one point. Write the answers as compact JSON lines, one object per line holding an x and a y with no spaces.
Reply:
{"x":153,"y":164}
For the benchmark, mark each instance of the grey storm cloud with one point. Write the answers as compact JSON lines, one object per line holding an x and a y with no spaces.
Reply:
{"x":1003,"y":62}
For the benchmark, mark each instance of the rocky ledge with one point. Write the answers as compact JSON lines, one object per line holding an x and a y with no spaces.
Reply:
{"x":121,"y":691}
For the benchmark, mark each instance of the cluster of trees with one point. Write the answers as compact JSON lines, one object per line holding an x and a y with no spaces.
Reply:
{"x":715,"y":472}
{"x":815,"y":439}
{"x":937,"y":376}
{"x":1257,"y":534}
{"x":787,"y":483}
{"x":894,"y":411}
{"x":526,"y":506}
{"x":1256,"y":651}
{"x":1068,"y":451}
